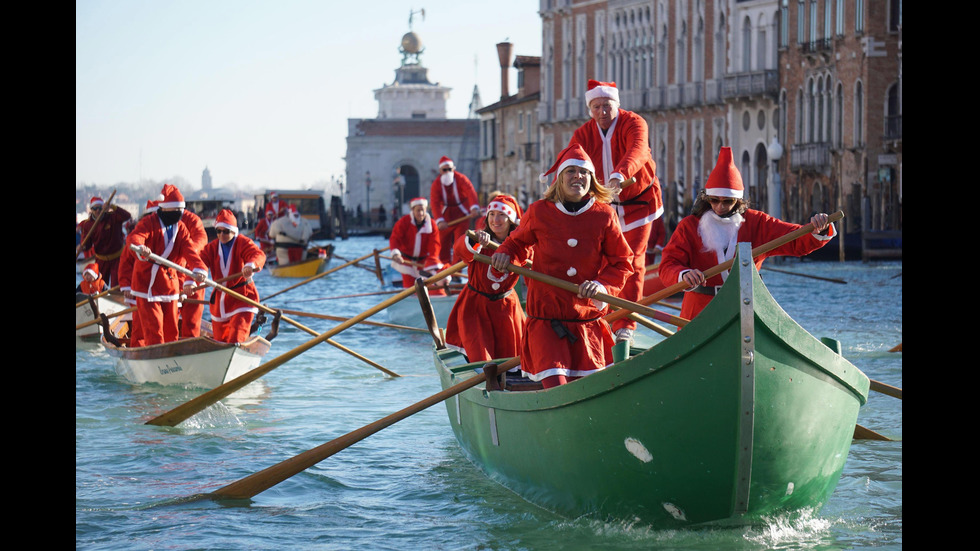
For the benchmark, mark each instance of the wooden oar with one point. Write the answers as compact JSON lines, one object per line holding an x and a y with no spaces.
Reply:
{"x":862,"y":433}
{"x":830,"y":279}
{"x":896,"y":348}
{"x":257,"y":483}
{"x":886,"y":389}
{"x":198,"y":404}
{"x":340,"y":318}
{"x":164,"y":262}
{"x":715,"y":270}
{"x":358,"y":264}
{"x":84,"y":241}
{"x":97,"y":295}
{"x":318,"y":276}
{"x":122,"y":312}
{"x":355,"y":295}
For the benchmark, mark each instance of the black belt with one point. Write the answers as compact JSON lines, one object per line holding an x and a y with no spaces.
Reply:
{"x":415,"y":258}
{"x":497,"y":296}
{"x":711,"y":291}
{"x":636,"y":200}
{"x":286,"y":245}
{"x":558,"y":326}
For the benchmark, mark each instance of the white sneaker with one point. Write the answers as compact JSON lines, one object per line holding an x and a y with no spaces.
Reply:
{"x":625,"y":334}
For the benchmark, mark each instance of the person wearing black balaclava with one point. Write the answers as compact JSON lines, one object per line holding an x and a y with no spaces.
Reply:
{"x":157,"y":288}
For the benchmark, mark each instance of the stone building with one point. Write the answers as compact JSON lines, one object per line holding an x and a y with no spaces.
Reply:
{"x":509,"y":140}
{"x":394,"y":157}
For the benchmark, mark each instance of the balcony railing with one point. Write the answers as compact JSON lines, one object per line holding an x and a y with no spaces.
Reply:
{"x":814,"y":156}
{"x":748,"y":84}
{"x":893,"y":127}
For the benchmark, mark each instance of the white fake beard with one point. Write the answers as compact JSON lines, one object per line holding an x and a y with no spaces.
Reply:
{"x":717,"y":233}
{"x":446,"y":178}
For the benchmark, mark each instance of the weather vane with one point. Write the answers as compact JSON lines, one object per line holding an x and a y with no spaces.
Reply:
{"x":411,"y":14}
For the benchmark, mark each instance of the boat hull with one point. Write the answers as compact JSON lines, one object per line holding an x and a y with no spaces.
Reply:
{"x":408,"y":312}
{"x":196,"y":362}
{"x":740,"y":415}
{"x":305,"y":268}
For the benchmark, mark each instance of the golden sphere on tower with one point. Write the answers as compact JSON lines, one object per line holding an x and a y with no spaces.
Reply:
{"x":411,"y":43}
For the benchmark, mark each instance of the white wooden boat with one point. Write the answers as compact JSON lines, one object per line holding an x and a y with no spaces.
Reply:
{"x":409,"y":312}
{"x":196,"y":362}
{"x":107,"y":305}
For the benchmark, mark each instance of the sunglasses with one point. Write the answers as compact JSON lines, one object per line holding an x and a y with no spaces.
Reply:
{"x":447,"y":169}
{"x":222,"y":230}
{"x":716,"y":200}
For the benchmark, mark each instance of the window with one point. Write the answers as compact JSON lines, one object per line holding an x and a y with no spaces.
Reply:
{"x":858,"y":115}
{"x":859,"y":16}
{"x":800,"y":22}
{"x":840,"y":18}
{"x":784,"y":23}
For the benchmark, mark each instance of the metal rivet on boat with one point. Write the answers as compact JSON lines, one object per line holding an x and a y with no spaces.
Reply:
{"x":747,"y":338}
{"x":571,"y":271}
{"x":572,"y":242}
{"x":745,"y":262}
{"x":746,"y":300}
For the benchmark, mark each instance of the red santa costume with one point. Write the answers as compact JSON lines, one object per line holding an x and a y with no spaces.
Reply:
{"x":275,"y":206}
{"x":453,"y":197}
{"x":105,"y":241}
{"x":126,"y":262}
{"x":157,"y":288}
{"x":96,"y":285}
{"x":702,"y":242}
{"x":418,"y":243}
{"x":192,"y":310}
{"x":231,"y":318}
{"x":487,"y":320}
{"x":565,"y":336}
{"x":623,"y":151}
{"x":266,"y":243}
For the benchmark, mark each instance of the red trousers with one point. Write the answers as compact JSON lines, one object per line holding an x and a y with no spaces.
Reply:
{"x":234,"y":329}
{"x":158,"y":320}
{"x":638,"y":239}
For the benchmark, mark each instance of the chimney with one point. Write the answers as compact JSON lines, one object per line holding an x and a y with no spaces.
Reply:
{"x":504,"y":51}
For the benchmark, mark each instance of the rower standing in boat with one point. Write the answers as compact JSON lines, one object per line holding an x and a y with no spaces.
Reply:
{"x":231,"y":318}
{"x":266,"y":243}
{"x":126,"y":263}
{"x":191,"y":306}
{"x":106,"y":239}
{"x":719,"y":219}
{"x":157,"y":288}
{"x":487,"y":320}
{"x":415,"y":243}
{"x":617,"y":141}
{"x":292,"y":234}
{"x":453,"y":197}
{"x":575,"y":236}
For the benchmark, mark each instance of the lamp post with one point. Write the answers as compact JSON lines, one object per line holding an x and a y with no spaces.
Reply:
{"x":775,"y":152}
{"x":367,"y":186}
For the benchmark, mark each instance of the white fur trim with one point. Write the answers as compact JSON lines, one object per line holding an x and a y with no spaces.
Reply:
{"x":602,"y":92}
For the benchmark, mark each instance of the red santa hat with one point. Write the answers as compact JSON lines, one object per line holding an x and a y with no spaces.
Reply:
{"x":572,"y":155}
{"x":226,"y":219}
{"x":506,"y":204}
{"x":172,"y":198}
{"x":419,"y":201}
{"x":598,"y":89}
{"x":151,"y":206}
{"x":92,"y":270}
{"x":95,"y":202}
{"x":725,"y":180}
{"x":446,"y":161}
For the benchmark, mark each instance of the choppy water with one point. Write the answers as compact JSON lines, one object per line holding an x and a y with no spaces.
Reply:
{"x":409,"y":486}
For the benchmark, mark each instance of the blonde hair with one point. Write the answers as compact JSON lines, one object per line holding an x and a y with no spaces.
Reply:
{"x":555,"y":194}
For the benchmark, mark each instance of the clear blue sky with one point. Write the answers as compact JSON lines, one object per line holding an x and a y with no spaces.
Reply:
{"x":260,"y":91}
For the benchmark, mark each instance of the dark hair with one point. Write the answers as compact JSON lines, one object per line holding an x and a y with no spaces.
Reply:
{"x":702,"y":204}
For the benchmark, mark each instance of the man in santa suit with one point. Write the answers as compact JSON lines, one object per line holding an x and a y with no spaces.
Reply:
{"x":192,"y":309}
{"x":231,"y":318}
{"x":106,"y":239}
{"x":275,"y":206}
{"x":575,"y":236}
{"x":292,"y":234}
{"x":721,"y":218}
{"x":618,"y":142}
{"x":157,"y":288}
{"x":266,"y":243}
{"x":126,"y":262}
{"x":415,"y":243}
{"x":453,"y":197}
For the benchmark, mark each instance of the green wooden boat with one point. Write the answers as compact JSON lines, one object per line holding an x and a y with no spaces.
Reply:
{"x":740,"y":415}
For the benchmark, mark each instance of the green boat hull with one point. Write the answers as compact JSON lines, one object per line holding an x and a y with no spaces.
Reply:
{"x":740,"y":415}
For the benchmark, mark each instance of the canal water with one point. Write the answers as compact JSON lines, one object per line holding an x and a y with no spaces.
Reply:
{"x":409,"y":486}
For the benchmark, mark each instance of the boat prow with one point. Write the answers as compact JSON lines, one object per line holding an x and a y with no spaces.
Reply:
{"x":739,"y":415}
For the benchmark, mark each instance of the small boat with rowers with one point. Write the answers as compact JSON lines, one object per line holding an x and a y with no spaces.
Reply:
{"x":200,"y":362}
{"x":315,"y":263}
{"x":740,"y":415}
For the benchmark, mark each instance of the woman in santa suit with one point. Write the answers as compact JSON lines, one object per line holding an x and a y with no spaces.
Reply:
{"x":575,"y":236}
{"x":231,"y":318}
{"x":415,"y":244}
{"x":721,"y":218}
{"x":487,"y":319}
